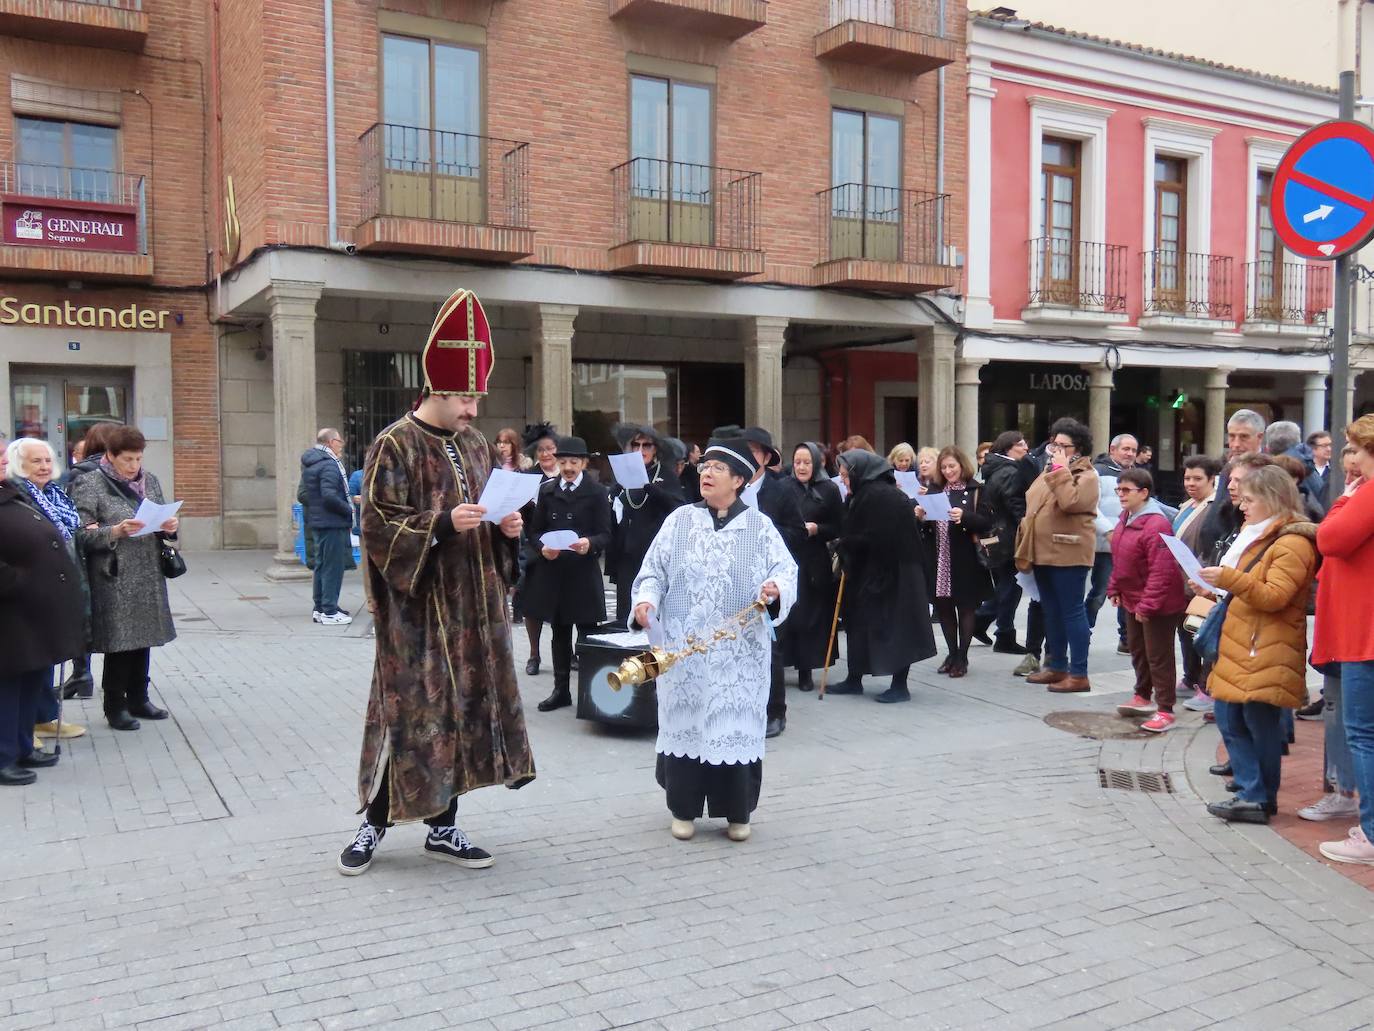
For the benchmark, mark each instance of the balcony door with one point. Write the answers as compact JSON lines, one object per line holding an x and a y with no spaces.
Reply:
{"x":866,"y":210}
{"x":1058,"y":258}
{"x":67,"y":161}
{"x":1168,"y":272}
{"x":1268,"y":279}
{"x":672,"y":188}
{"x":431,"y":146}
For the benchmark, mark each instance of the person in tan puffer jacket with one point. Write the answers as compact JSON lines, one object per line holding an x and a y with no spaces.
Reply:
{"x":1261,"y":666}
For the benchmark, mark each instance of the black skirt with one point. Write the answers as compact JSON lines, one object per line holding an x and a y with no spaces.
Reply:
{"x":729,"y":791}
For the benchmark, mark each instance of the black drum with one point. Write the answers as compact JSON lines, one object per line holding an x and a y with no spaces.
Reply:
{"x":635,"y":706}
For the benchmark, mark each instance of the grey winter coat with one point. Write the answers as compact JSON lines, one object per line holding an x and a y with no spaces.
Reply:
{"x":129,"y":609}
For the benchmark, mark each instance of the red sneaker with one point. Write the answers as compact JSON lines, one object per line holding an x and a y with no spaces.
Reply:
{"x":1137,"y":706}
{"x":1159,"y":723}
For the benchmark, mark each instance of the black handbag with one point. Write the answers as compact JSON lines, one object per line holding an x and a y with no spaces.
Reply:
{"x":170,"y":561}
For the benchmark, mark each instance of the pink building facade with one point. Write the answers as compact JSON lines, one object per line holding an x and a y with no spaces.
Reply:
{"x":1121,"y":266}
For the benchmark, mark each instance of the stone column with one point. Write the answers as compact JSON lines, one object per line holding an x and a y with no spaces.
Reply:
{"x":551,"y":348}
{"x":935,"y":354}
{"x":1099,"y":406}
{"x":762,"y":339}
{"x":291,"y":307}
{"x":966,"y":384}
{"x":1314,"y":403}
{"x":1214,"y":437}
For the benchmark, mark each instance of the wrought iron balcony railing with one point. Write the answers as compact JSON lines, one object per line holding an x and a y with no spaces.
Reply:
{"x":77,"y":187}
{"x":659,"y":201}
{"x":1188,"y":284}
{"x":1077,"y":274}
{"x":1287,"y":292}
{"x":410,"y":172}
{"x":880,"y":223}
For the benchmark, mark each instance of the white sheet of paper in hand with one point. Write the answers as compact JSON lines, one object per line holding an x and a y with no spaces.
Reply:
{"x":909,"y":484}
{"x":559,"y":540}
{"x":844,"y":491}
{"x":937,"y":506}
{"x":654,"y":631}
{"x":629,"y":470}
{"x":152,"y":516}
{"x":1192,"y":568}
{"x":750,"y":494}
{"x":1026,"y":581}
{"x":506,"y":492}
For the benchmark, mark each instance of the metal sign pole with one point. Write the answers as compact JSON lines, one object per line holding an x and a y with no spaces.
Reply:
{"x":1340,"y":342}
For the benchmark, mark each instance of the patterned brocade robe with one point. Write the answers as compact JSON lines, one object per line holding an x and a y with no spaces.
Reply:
{"x":713,"y":706}
{"x":444,"y":715}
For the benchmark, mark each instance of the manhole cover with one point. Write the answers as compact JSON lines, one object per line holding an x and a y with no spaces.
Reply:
{"x":1099,"y":726}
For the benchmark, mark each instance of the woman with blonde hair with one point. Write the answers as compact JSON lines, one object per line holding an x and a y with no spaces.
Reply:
{"x":902,"y":457}
{"x":928,"y":468}
{"x":1261,"y":663}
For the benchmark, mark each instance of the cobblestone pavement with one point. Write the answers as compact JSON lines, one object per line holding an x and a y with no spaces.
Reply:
{"x":948,"y":863}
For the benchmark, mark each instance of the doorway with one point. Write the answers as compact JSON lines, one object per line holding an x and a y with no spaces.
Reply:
{"x":60,"y":404}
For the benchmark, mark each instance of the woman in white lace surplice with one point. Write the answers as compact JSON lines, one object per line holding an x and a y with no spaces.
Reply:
{"x":709,"y":561}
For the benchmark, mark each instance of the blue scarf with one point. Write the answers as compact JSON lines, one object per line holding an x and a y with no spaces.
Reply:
{"x":53,"y":502}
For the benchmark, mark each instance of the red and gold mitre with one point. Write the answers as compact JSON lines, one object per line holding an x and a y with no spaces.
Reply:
{"x":458,"y":356}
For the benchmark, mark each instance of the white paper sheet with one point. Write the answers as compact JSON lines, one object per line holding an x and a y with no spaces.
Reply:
{"x":1192,"y":568}
{"x":633,"y":639}
{"x":911,"y":487}
{"x":153,"y":515}
{"x":507,"y":492}
{"x":1026,"y":581}
{"x":937,"y":506}
{"x":619,"y":510}
{"x":629,"y":469}
{"x":654,"y":631}
{"x":844,"y":491}
{"x":559,"y":540}
{"x":750,"y":494}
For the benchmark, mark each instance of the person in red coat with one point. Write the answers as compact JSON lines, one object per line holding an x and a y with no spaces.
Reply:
{"x":1344,"y":633}
{"x":1147,"y":582}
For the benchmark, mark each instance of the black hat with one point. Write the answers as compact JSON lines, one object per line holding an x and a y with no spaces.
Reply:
{"x":760,"y":436}
{"x":572,"y":447}
{"x":735,"y":453}
{"x":674,"y":449}
{"x":627,"y":431}
{"x":726,"y":432}
{"x":535,"y":432}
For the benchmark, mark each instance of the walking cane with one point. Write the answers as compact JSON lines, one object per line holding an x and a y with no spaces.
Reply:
{"x":57,"y":734}
{"x":830,"y":645}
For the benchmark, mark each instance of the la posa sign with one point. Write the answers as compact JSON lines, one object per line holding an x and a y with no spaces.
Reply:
{"x":1059,"y":381}
{"x":71,"y":225}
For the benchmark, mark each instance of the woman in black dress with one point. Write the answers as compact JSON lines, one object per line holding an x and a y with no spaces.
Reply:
{"x":807,"y":630}
{"x":958,"y":580}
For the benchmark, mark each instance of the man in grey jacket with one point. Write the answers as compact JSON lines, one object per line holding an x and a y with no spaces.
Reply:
{"x":329,"y":516}
{"x":1119,"y":457}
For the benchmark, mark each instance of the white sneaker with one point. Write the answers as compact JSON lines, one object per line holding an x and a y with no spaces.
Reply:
{"x":1334,"y":806}
{"x":316,"y":615}
{"x":335,"y":618}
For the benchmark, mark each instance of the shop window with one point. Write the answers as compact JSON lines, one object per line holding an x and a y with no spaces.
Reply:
{"x":66,"y":160}
{"x":432,"y":123}
{"x":671,"y":194}
{"x":1061,"y":178}
{"x":684,"y":400}
{"x":865,"y":181}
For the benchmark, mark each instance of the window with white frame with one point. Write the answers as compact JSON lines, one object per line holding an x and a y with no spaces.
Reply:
{"x":1182,"y":276}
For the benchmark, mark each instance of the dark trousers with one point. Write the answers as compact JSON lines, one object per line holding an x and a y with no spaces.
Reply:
{"x":379,"y":809}
{"x":125,"y":679}
{"x":19,"y":700}
{"x":49,"y":707}
{"x":1097,"y":586}
{"x":1254,"y":737}
{"x":1192,"y":661}
{"x":777,"y":689}
{"x":1152,"y":655}
{"x":1002,"y":605}
{"x":622,"y":599}
{"x":331,"y":553}
{"x":729,"y":790}
{"x":561,"y":635}
{"x":1035,"y":628}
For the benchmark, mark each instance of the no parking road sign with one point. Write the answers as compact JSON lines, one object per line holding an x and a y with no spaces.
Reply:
{"x":1322,"y":201}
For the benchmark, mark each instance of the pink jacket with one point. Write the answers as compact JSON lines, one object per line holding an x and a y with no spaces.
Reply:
{"x":1144,"y":575}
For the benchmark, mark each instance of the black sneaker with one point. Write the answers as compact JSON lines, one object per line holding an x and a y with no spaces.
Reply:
{"x":1313,"y":711}
{"x":358,"y":856}
{"x":846,"y":686}
{"x":452,"y":845}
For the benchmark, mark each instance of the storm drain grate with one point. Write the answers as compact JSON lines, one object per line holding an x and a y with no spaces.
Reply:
{"x":1135,"y":780}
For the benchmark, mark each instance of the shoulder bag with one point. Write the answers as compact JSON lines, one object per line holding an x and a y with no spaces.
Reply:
{"x":1207,"y":637}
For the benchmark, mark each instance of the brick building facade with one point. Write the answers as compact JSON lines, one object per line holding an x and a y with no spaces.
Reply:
{"x":680,"y":211}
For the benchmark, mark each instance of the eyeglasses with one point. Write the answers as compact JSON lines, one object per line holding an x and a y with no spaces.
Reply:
{"x":1128,"y":490}
{"x":1054,"y":445}
{"x":640,"y":445}
{"x":713,"y":467}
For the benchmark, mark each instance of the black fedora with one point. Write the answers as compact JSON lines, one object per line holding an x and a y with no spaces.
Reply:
{"x":760,"y":436}
{"x":572,"y":447}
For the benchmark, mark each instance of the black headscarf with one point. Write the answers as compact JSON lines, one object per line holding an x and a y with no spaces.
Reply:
{"x":818,"y":472}
{"x":865,"y":467}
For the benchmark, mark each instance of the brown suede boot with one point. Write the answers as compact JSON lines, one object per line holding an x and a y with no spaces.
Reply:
{"x":1047,"y":676}
{"x":1070,"y":685}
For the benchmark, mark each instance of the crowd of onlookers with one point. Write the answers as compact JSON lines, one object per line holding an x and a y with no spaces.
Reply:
{"x":79,"y":576}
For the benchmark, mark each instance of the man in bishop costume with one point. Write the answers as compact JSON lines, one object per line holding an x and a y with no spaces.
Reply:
{"x":708,"y":562}
{"x":444,"y":716}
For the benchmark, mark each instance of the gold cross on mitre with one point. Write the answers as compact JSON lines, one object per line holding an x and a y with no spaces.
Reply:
{"x":471,"y":344}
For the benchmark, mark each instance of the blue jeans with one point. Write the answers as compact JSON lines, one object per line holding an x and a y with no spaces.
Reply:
{"x":1005,"y":599}
{"x":331,"y":551}
{"x":1340,"y":765}
{"x":1357,"y":699}
{"x":1254,"y":736}
{"x":1097,"y":586}
{"x":1066,"y":621}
